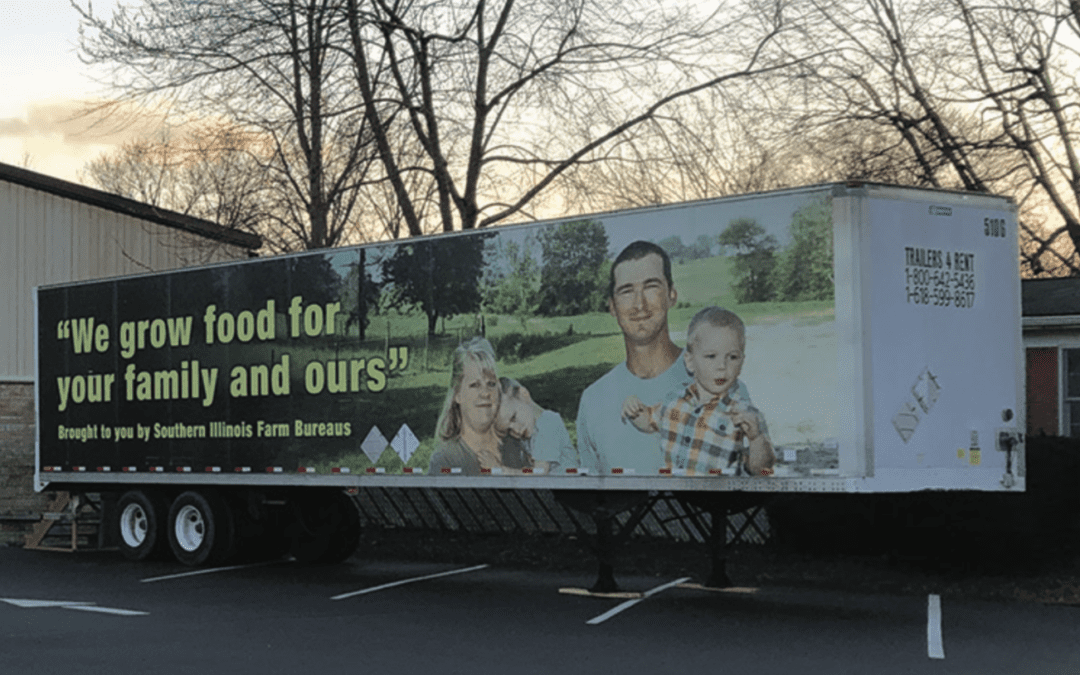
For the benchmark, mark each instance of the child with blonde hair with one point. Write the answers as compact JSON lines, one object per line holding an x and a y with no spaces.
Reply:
{"x":542,"y":431}
{"x":712,"y":424}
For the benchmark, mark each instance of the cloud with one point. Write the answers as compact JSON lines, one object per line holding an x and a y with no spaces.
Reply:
{"x":13,"y":127}
{"x":83,"y":123}
{"x":58,"y":137}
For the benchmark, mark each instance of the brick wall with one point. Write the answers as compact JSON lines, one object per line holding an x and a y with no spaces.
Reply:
{"x":18,"y":500}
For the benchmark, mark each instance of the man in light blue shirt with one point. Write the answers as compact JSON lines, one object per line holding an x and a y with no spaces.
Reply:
{"x":640,"y":293}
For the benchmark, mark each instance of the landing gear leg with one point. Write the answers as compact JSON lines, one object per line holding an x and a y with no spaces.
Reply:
{"x":605,"y":553}
{"x":718,"y":576}
{"x":602,"y":507}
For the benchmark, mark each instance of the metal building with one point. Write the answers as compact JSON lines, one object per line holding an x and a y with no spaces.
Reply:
{"x":55,"y":231}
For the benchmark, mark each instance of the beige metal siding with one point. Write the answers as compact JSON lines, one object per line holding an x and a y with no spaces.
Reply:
{"x":10,"y":292}
{"x":48,"y":239}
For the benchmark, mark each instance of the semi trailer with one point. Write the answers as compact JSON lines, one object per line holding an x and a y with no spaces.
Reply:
{"x":839,"y":338}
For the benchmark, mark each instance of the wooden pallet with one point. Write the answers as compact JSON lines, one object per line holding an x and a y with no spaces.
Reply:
{"x":69,"y":523}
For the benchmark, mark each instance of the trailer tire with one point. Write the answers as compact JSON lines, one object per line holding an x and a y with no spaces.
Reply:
{"x":347,"y":538}
{"x":201,"y":528}
{"x":325,"y":529}
{"x":141,"y":525}
{"x":260,"y":536}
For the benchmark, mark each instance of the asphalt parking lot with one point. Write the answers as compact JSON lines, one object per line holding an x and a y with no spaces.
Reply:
{"x":98,"y":613}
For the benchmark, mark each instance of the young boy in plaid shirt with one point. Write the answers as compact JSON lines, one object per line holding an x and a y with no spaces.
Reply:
{"x":712,"y":423}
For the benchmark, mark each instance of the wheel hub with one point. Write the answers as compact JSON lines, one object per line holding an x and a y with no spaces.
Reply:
{"x":134,"y":525}
{"x":190,"y":528}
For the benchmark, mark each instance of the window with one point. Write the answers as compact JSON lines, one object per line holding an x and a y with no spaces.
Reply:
{"x":1072,"y":392}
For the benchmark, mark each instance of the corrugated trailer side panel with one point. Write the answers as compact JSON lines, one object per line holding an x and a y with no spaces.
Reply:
{"x":946,"y":376}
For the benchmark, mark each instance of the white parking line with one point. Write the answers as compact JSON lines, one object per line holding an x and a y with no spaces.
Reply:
{"x":107,"y":610}
{"x":935,"y":648}
{"x":63,"y":604}
{"x":210,"y":570}
{"x":630,"y":603}
{"x":406,"y":581}
{"x":37,"y":604}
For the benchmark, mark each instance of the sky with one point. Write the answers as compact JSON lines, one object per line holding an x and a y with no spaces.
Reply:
{"x":42,"y":83}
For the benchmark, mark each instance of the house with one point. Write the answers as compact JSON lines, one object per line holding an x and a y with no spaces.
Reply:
{"x":1051,"y":329}
{"x":54,"y":231}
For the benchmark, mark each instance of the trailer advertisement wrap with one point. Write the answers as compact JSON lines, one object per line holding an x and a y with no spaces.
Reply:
{"x":832,"y":338}
{"x":697,"y":341}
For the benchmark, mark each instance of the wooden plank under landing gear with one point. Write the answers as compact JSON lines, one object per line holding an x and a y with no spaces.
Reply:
{"x":618,"y":595}
{"x":736,"y":590}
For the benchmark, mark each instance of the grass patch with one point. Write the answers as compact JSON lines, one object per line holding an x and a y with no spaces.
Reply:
{"x":807,"y":312}
{"x":704,"y":282}
{"x":517,"y":347}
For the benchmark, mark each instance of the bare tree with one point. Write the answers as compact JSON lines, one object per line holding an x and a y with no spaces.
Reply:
{"x":387,"y":219}
{"x":503,"y":97}
{"x":1027,"y":72}
{"x":207,"y":172}
{"x":977,"y":96}
{"x":273,"y":67}
{"x":720,"y":142}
